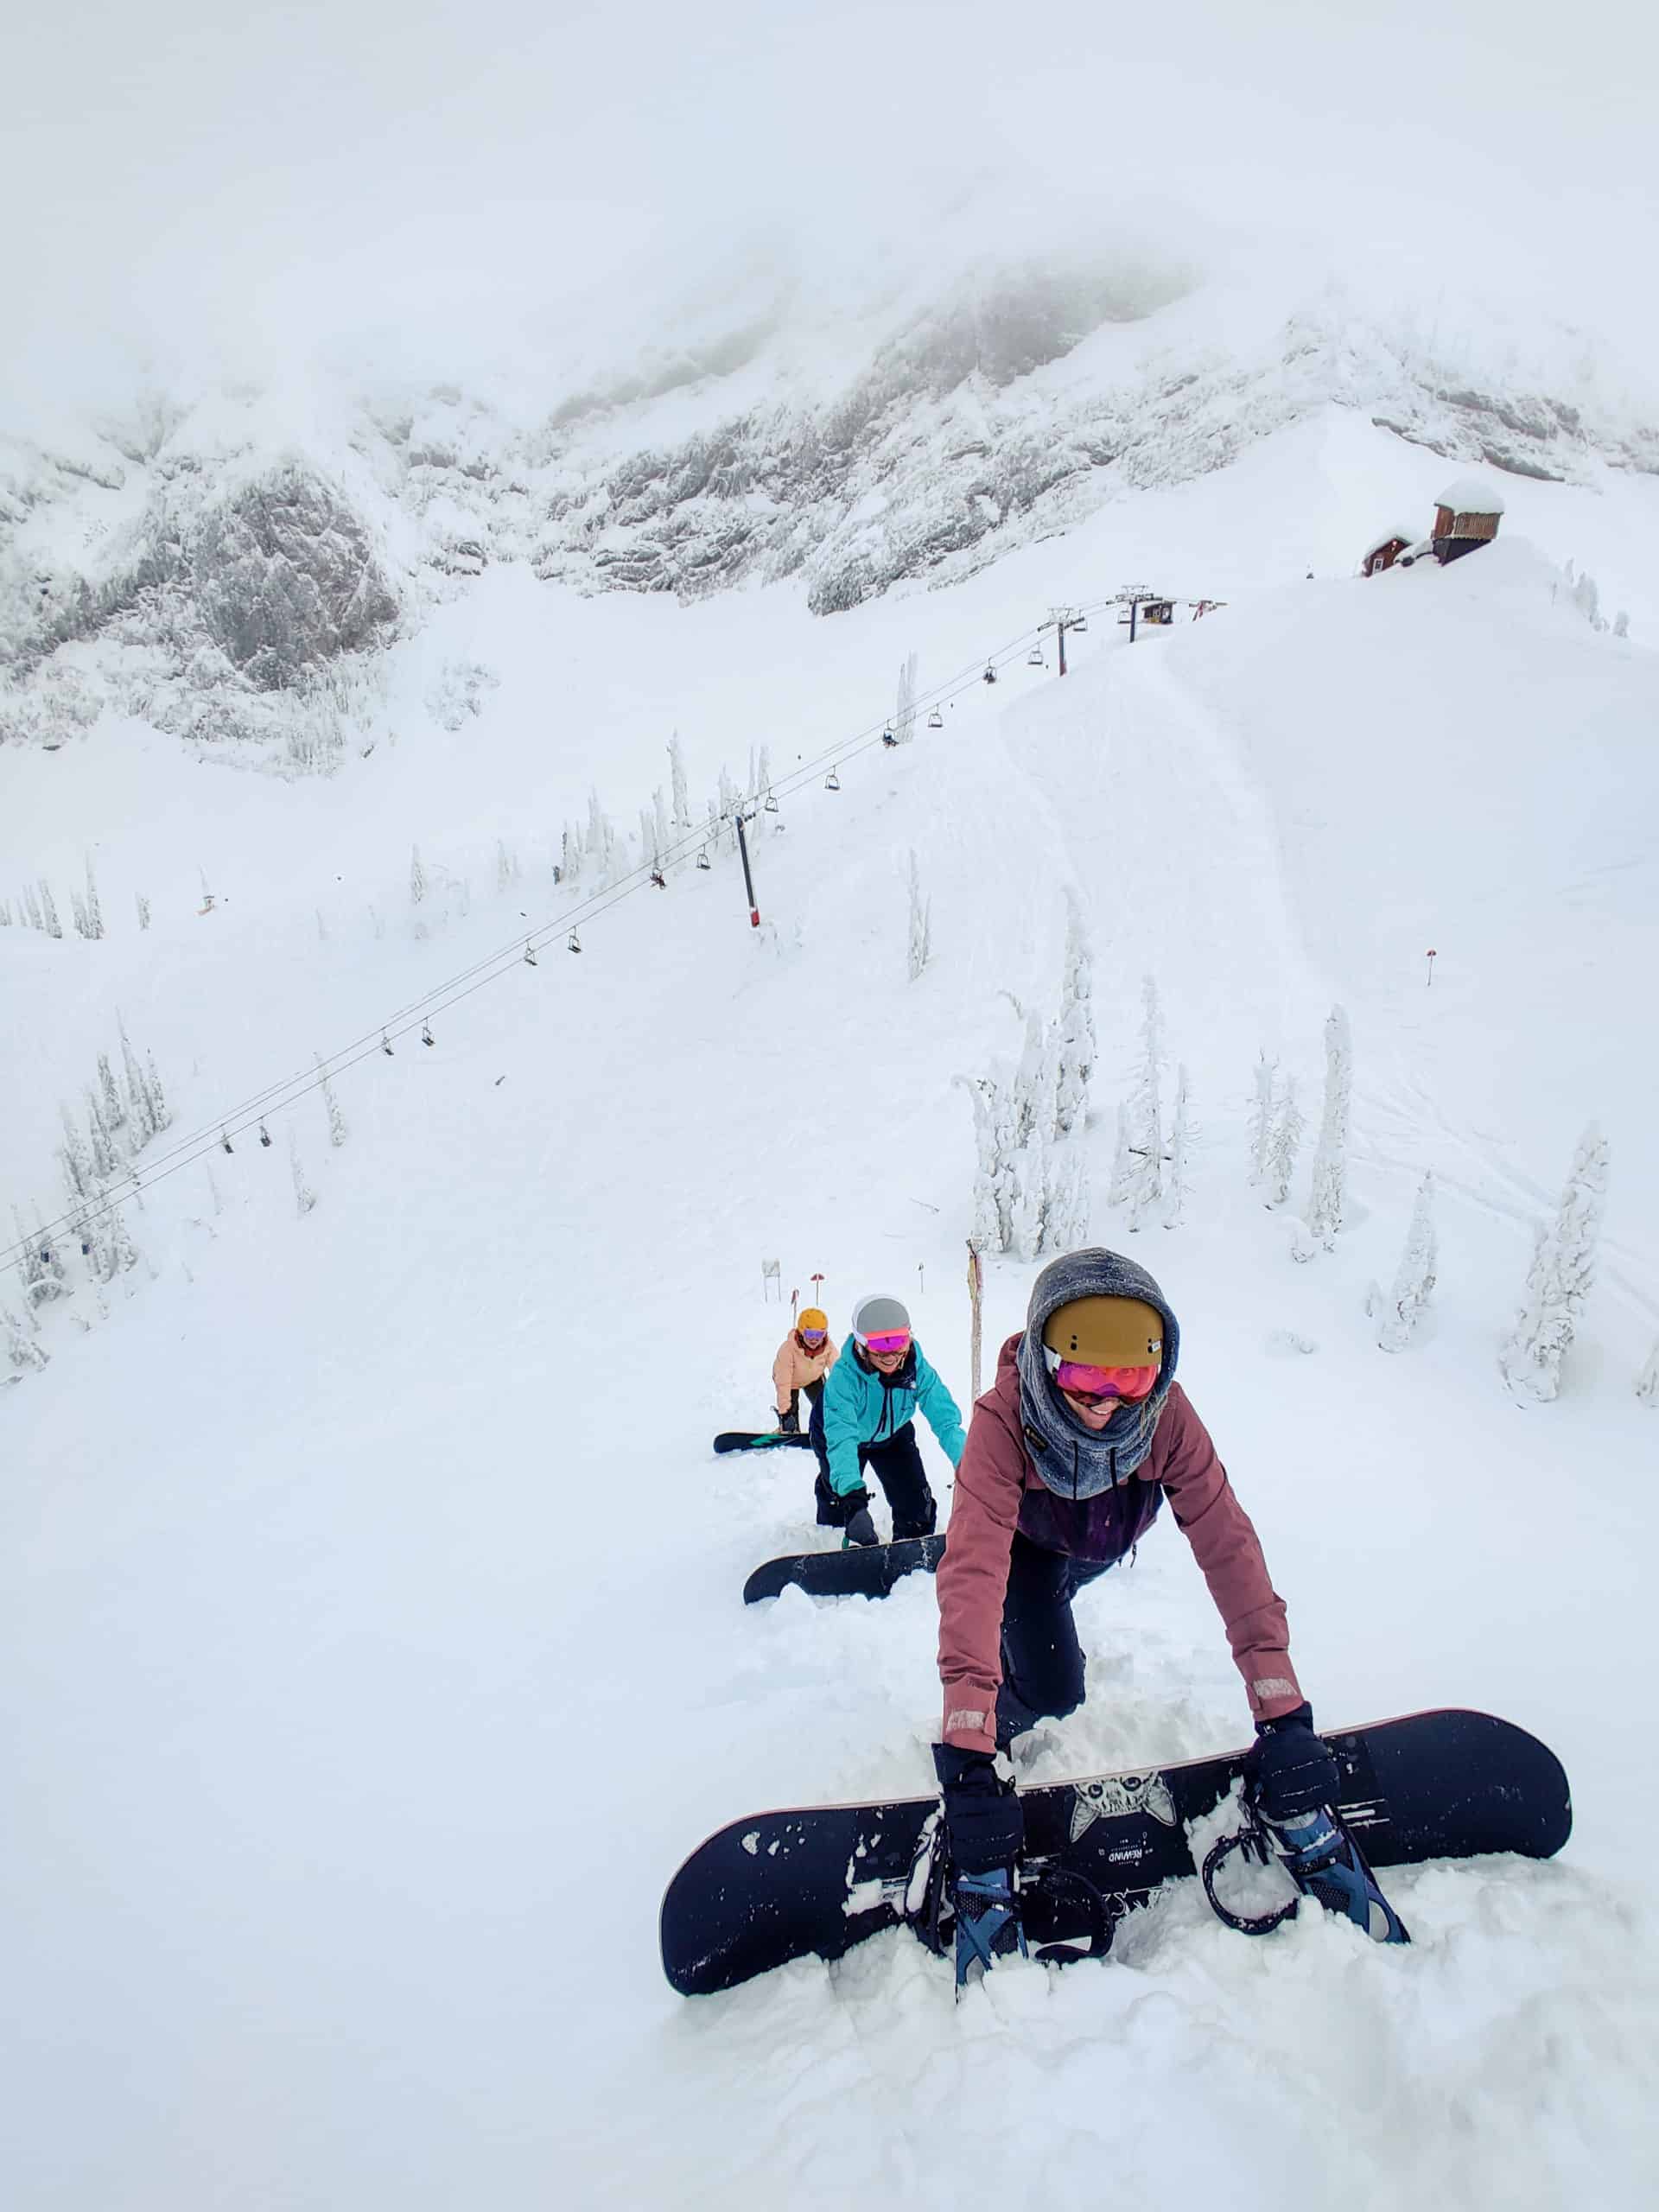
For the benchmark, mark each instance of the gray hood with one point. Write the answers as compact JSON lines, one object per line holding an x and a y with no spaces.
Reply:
{"x":1071,"y":1460}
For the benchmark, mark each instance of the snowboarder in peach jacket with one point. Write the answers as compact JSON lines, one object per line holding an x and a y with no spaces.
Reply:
{"x":1070,"y":1456}
{"x":804,"y":1357}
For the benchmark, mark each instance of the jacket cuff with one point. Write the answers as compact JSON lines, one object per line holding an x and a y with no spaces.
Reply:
{"x":1274,"y":1691}
{"x":970,"y":1722}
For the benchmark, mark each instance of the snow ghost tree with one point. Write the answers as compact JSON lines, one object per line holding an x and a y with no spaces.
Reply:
{"x":337,"y":1131}
{"x":1123,"y":1159}
{"x":1330,"y":1189}
{"x":304,"y":1197}
{"x":1261,"y":1117}
{"x":1647,"y":1382}
{"x":1177,"y":1189}
{"x":1559,"y":1280}
{"x":1146,"y":1113}
{"x":904,"y":714}
{"x":1284,"y":1143}
{"x":417,"y":877}
{"x":1076,"y":1025}
{"x":921,"y":909}
{"x":994,"y":1189}
{"x":1413,"y":1280}
{"x":681,"y":802}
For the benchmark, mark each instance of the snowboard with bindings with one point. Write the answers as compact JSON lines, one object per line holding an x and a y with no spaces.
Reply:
{"x":767,"y":1440}
{"x":861,"y":1571}
{"x":784,"y":1886}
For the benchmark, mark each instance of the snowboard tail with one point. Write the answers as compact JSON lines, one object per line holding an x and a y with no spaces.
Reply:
{"x":864,"y":1571}
{"x":818,"y":1879}
{"x":764,"y":1439}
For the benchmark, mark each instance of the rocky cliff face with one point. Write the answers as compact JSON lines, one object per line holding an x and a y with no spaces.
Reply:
{"x":211,"y":581}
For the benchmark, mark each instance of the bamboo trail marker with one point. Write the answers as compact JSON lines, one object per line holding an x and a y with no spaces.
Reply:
{"x":975,"y":1285}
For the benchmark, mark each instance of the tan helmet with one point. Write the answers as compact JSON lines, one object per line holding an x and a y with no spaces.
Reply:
{"x":1107,"y":1332}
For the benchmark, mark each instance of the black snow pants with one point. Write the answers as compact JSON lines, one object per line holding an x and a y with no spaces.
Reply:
{"x":896,"y":1463}
{"x":1042,"y":1660}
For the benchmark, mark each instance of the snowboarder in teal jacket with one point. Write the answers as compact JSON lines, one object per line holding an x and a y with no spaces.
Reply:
{"x":865,"y":1419}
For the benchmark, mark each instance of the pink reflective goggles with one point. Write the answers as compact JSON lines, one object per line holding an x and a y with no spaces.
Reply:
{"x":813,"y":1335}
{"x":1100,"y":1381}
{"x":887,"y":1340}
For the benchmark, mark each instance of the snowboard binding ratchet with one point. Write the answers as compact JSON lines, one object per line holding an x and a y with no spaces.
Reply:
{"x":1322,"y":1859}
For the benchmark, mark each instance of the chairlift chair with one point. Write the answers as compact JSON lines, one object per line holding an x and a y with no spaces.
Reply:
{"x":990,"y":671}
{"x":264,"y":1134}
{"x":832,"y":781}
{"x":887,"y":738}
{"x":1034,"y":658}
{"x":385,"y":1045}
{"x":530,"y":955}
{"x":426,"y":1038}
{"x":659,"y":879}
{"x":936,"y":720}
{"x":772,"y":803}
{"x":573,"y":942}
{"x":704,"y":859}
{"x":226,"y":1142}
{"x":1079,"y":624}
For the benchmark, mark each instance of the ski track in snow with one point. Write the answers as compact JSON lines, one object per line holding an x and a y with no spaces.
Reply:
{"x":373,"y":1647}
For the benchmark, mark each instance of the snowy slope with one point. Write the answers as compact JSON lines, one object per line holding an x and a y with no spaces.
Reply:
{"x":372,"y":1642}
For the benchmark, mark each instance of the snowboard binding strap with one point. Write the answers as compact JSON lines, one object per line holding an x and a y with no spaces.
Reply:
{"x":1322,"y":1859}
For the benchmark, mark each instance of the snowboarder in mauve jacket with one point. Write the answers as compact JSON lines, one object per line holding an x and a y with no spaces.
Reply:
{"x":1071,"y":1455}
{"x":865,"y":1419}
{"x":804,"y":1357}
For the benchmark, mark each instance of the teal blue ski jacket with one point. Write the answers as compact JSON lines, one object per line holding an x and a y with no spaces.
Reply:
{"x":859,"y":1408}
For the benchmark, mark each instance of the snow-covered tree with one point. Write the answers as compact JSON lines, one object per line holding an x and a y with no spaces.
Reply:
{"x":904,"y":714}
{"x":337,"y":1129}
{"x":78,"y":1172}
{"x":1559,"y":1280}
{"x":1030,"y":1219}
{"x":921,"y":935}
{"x":506,"y":865}
{"x":32,"y":913}
{"x":1123,"y":1159}
{"x":417,"y":877}
{"x":1068,"y":1198}
{"x":1621,"y":623}
{"x":100,"y":1140}
{"x":22,"y":1347}
{"x":570,"y":856}
{"x":1413,"y":1280}
{"x":144,"y":910}
{"x":661,"y":828}
{"x":1261,"y":1116}
{"x":141,"y":1112}
{"x":49,"y":921}
{"x":160,"y":1112}
{"x":1330,"y":1189}
{"x":304,"y":1197}
{"x":1647,"y":1382}
{"x":1146,"y":1113}
{"x":115,"y":1112}
{"x":682,"y":804}
{"x":1284,"y":1143}
{"x":995,"y":1148}
{"x":1177,"y":1189}
{"x":1075,"y":1026}
{"x":88,"y":914}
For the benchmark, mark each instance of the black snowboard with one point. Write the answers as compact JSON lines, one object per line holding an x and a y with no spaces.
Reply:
{"x":820,"y":1878}
{"x":864,"y":1571}
{"x":746,"y":1440}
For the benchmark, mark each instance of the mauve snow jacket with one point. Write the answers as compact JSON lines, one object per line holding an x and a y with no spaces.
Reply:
{"x":999,"y":1490}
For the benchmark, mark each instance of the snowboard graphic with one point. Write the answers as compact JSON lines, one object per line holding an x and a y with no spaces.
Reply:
{"x":768,"y":1439}
{"x":782,"y":1885}
{"x":865,"y":1571}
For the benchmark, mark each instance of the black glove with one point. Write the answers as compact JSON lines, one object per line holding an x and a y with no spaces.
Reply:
{"x":861,"y":1529}
{"x":983,"y":1817}
{"x":836,"y":1508}
{"x":1291,"y":1771}
{"x":790,"y":1423}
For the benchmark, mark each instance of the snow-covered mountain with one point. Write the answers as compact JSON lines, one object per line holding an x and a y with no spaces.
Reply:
{"x":232,"y":566}
{"x":370,"y":1642}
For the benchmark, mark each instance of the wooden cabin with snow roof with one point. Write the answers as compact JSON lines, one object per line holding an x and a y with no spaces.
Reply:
{"x":1466,"y":515}
{"x":1384,"y":551}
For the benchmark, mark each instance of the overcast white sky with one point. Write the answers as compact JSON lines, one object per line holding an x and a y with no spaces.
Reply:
{"x":446,"y":185}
